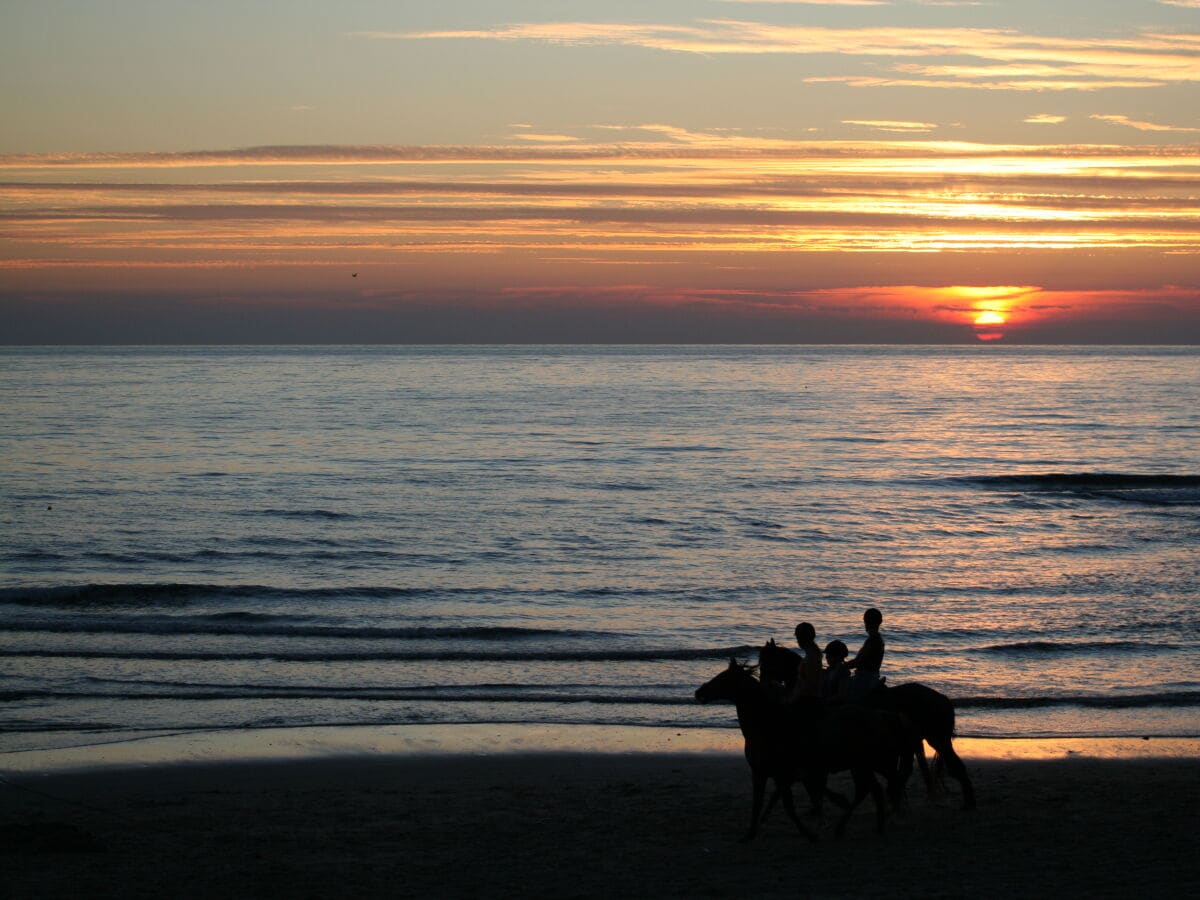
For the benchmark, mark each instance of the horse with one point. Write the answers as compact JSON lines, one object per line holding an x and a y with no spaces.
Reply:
{"x":932,"y":716}
{"x":929,"y":712}
{"x":806,"y":743}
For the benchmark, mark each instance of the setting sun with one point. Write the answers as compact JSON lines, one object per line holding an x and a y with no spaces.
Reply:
{"x":989,"y":317}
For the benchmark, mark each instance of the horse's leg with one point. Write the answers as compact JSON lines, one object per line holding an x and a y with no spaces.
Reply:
{"x":861,"y":789}
{"x":906,"y":766}
{"x":770,"y":803}
{"x":818,"y":790}
{"x":923,"y":762}
{"x":816,"y":782}
{"x":790,"y":807}
{"x":760,"y":785}
{"x":815,"y":792}
{"x":880,"y":802}
{"x":897,"y":781}
{"x":954,"y":765}
{"x":838,"y":798}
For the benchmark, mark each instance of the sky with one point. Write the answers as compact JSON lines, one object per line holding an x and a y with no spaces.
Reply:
{"x":509,"y":171}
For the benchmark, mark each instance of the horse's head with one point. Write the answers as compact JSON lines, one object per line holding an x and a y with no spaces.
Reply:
{"x":726,"y":685}
{"x":778,"y":663}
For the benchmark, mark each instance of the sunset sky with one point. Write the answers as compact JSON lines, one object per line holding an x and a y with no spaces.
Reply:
{"x":935,"y":171}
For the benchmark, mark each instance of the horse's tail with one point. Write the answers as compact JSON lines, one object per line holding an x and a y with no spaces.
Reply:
{"x":946,"y":713}
{"x":938,"y":771}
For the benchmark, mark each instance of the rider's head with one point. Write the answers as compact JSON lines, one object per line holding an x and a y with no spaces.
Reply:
{"x":835,"y":652}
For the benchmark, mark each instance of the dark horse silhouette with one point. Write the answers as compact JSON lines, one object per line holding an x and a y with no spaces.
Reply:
{"x":930,"y":715}
{"x":806,"y":742}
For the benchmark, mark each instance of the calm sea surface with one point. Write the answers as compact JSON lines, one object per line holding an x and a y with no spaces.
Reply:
{"x":248,"y":537}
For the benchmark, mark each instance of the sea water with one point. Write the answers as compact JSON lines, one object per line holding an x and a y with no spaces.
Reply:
{"x":248,"y":537}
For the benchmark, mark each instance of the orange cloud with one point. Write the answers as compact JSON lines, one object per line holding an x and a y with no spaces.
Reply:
{"x":1139,"y":125}
{"x":1008,"y":59}
{"x":816,"y":2}
{"x":889,"y":125}
{"x":682,"y":195}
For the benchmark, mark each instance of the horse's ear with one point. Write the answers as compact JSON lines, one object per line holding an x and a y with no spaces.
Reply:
{"x":733,"y":663}
{"x":771,"y":642}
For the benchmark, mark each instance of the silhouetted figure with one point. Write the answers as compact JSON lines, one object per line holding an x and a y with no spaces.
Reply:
{"x":807,"y":741}
{"x":779,"y":671}
{"x":928,"y":712}
{"x":869,"y":660}
{"x":808,"y":680}
{"x":835,"y":680}
{"x":771,"y":747}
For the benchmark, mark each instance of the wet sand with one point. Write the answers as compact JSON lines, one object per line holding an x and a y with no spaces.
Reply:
{"x":583,"y":824}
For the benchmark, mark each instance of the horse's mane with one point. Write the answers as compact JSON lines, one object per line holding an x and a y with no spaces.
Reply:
{"x":778,"y":663}
{"x":749,"y":668}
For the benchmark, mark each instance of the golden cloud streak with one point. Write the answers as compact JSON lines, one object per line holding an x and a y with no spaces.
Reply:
{"x":685,"y":148}
{"x":890,"y":125}
{"x":831,"y":197}
{"x":1139,"y":125}
{"x":1010,"y":59}
{"x":818,"y":2}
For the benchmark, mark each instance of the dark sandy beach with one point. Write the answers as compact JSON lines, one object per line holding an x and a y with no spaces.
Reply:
{"x":583,"y":825}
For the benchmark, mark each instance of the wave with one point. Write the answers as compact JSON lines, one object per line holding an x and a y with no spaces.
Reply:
{"x":1067,"y":480}
{"x":1075,"y":646}
{"x":535,"y":693}
{"x":472,"y":694}
{"x":852,"y":439}
{"x":1161,"y":490}
{"x":175,"y":594}
{"x":372,"y":655}
{"x":248,"y":624}
{"x":298,"y":513}
{"x":172,"y":594}
{"x":34,"y":555}
{"x":1096,"y":701}
{"x":341,"y":554}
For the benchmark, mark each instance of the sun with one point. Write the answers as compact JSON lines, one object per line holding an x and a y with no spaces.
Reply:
{"x":989,"y":317}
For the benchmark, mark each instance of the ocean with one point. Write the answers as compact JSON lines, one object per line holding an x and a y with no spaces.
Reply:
{"x":200,"y":539}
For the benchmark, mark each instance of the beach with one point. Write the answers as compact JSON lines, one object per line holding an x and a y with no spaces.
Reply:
{"x":575,"y":823}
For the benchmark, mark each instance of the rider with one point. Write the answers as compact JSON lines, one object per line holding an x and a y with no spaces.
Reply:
{"x":869,"y":660}
{"x":808,"y":678}
{"x":836,"y":677}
